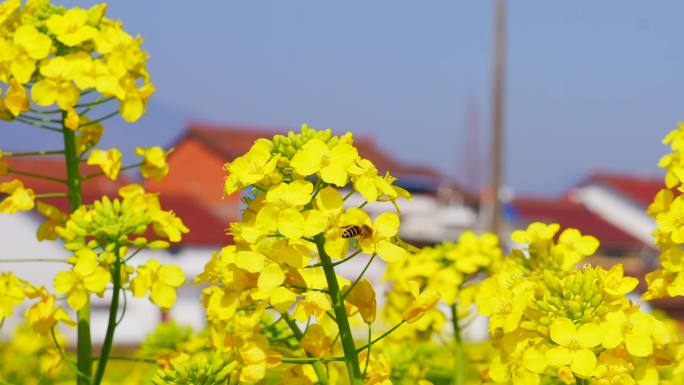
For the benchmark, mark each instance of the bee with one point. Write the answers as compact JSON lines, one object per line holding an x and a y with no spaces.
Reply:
{"x":361,"y":231}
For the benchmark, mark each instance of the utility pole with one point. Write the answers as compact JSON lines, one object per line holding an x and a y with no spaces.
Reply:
{"x":497,"y":114}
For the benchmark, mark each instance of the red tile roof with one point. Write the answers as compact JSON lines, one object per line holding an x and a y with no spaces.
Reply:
{"x":231,"y":141}
{"x":640,"y":190}
{"x":572,"y":214}
{"x":205,"y":228}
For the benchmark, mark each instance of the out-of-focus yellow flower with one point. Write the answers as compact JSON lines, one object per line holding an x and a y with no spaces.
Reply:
{"x":315,"y":304}
{"x":19,"y":198}
{"x":162,"y":281}
{"x":86,"y":276}
{"x":423,"y":302}
{"x":363,"y":297}
{"x":255,"y":360}
{"x":16,"y":100}
{"x":154,"y":162}
{"x":109,"y":161}
{"x":53,"y":217}
{"x":43,"y":315}
{"x":12,"y":293}
{"x":316,"y":341}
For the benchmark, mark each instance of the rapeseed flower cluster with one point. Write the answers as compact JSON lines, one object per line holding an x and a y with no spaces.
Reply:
{"x":50,"y":55}
{"x":552,"y":322}
{"x":667,"y":210}
{"x":451,"y":269}
{"x":295,"y":229}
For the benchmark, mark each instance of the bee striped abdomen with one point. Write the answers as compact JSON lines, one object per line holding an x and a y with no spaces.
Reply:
{"x":351,"y":231}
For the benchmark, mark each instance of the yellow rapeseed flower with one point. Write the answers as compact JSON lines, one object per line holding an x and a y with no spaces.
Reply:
{"x":160,"y":281}
{"x":19,"y":198}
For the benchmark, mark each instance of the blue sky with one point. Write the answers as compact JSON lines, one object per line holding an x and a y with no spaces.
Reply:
{"x":591,"y":85}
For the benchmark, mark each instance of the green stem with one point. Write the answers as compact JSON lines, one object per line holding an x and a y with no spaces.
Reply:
{"x":111,"y":325}
{"x":32,"y":175}
{"x":351,"y":356}
{"x":32,"y":153}
{"x":318,"y":368}
{"x":459,"y":353}
{"x":582,"y":381}
{"x":84,"y":348}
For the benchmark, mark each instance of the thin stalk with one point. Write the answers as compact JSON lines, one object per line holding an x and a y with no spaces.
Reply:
{"x":351,"y":356}
{"x":84,"y":349}
{"x":38,"y":125}
{"x":459,"y":353}
{"x":51,"y":195}
{"x":318,"y":368}
{"x":15,"y":260}
{"x":45,"y":112}
{"x":123,"y":358}
{"x":38,"y":119}
{"x":341,"y":261}
{"x":309,"y":360}
{"x":358,"y":279}
{"x":365,"y":369}
{"x":95,"y":175}
{"x":33,"y":175}
{"x":95,"y":103}
{"x":99,"y":120}
{"x":32,"y":153}
{"x":63,"y":355}
{"x":377,"y":339}
{"x":111,"y":325}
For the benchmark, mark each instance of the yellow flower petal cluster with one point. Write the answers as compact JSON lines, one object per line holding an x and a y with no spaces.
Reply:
{"x":13,"y":291}
{"x":58,"y":55}
{"x":450,"y":269}
{"x":154,"y":162}
{"x":295,"y":220}
{"x":578,"y":324}
{"x":668,"y":211}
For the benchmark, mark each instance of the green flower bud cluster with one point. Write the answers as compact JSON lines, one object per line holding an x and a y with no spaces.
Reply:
{"x":200,"y":370}
{"x":288,"y":145}
{"x":123,"y":222}
{"x":576,"y":297}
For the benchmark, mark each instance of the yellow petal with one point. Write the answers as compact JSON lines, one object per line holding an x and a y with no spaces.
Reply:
{"x":171,"y":275}
{"x":251,"y":261}
{"x":583,"y":362}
